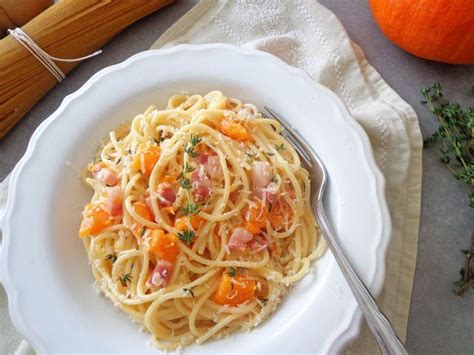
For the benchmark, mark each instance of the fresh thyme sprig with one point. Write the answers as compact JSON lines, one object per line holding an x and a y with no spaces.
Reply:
{"x":111,"y":257}
{"x":182,"y":179}
{"x":188,"y":168}
{"x":190,"y":150}
{"x":187,"y":236}
{"x":193,"y":142}
{"x":124,"y":279}
{"x":280,"y":148}
{"x":454,"y":139}
{"x":232,"y":271}
{"x":185,"y":183}
{"x":454,"y":142}
{"x":190,"y":209}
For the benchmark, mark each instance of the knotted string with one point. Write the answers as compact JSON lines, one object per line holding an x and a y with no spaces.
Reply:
{"x":43,"y":57}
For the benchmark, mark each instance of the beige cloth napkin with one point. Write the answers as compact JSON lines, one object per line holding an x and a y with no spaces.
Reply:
{"x":307,"y":35}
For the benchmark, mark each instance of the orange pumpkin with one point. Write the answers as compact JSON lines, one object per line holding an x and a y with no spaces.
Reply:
{"x":164,"y":245}
{"x":440,"y":30}
{"x":235,"y":130}
{"x":235,"y":290}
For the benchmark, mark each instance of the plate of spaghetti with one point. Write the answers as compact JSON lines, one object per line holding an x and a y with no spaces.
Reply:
{"x":173,"y":215}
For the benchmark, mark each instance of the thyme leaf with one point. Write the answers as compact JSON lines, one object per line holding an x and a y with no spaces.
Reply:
{"x":188,"y":168}
{"x":232,"y":271}
{"x":280,"y":148}
{"x":187,"y":236}
{"x":185,"y":183}
{"x":111,"y":257}
{"x":454,"y":139}
{"x":194,"y":140}
{"x":190,"y":209}
{"x":125,"y":278}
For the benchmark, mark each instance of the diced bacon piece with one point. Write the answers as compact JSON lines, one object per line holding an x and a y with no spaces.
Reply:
{"x":161,"y":273}
{"x":201,"y":185}
{"x":272,"y":188}
{"x":268,"y":194}
{"x":259,"y":243}
{"x":261,"y":174}
{"x":201,"y":191}
{"x":166,"y":194}
{"x":239,"y":239}
{"x":202,"y":158}
{"x":213,"y":167}
{"x":107,"y":176}
{"x":113,"y":206}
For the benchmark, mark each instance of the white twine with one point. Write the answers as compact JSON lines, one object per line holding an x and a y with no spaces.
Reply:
{"x":43,"y":57}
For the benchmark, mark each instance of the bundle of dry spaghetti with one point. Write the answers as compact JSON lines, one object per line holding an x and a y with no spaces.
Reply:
{"x":68,"y":29}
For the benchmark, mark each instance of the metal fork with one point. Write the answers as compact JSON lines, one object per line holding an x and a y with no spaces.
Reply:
{"x":378,"y":323}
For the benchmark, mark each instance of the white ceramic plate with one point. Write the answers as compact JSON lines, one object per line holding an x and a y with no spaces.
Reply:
{"x":44,"y":266}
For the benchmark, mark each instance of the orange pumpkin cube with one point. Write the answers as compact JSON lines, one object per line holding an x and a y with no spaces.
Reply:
{"x":234,"y":130}
{"x":235,"y":290}
{"x":95,"y":219}
{"x":281,"y":215}
{"x":257,"y":214}
{"x":146,"y":159}
{"x":253,"y":228}
{"x":142,"y":210}
{"x":186,"y":222}
{"x":164,"y":245}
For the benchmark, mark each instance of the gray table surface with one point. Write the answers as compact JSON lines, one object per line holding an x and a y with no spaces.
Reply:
{"x":439,"y":322}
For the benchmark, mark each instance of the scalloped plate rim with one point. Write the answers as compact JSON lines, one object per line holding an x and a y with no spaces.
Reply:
{"x":350,"y":326}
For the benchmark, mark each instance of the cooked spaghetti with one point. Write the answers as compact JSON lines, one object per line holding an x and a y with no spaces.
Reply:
{"x":200,"y":219}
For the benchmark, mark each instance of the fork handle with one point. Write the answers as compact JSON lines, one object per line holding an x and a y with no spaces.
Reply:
{"x":378,"y":323}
